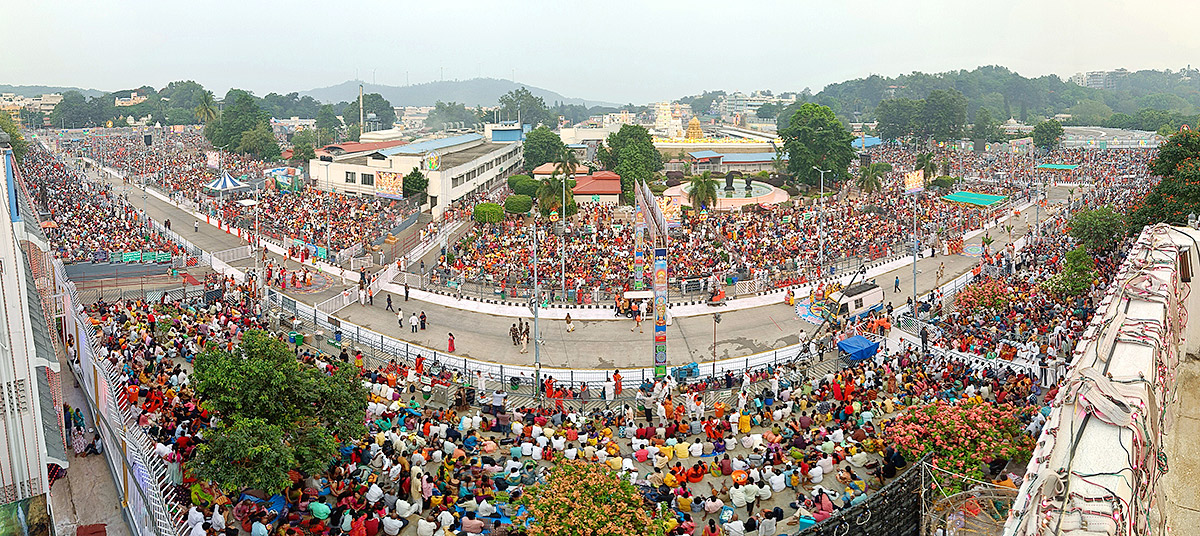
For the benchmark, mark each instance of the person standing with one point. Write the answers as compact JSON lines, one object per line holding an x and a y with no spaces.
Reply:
{"x":896,"y":288}
{"x":406,"y":292}
{"x":413,"y":322}
{"x":389,"y":303}
{"x":515,"y":334}
{"x":422,"y":320}
{"x":400,"y":317}
{"x":450,"y":343}
{"x":524,"y":342}
{"x":570,"y":326}
{"x":196,"y":226}
{"x":617,"y":382}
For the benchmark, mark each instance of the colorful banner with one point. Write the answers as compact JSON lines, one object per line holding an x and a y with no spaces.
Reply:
{"x":131,"y":256}
{"x":212,"y":159}
{"x":639,"y":249}
{"x":321,"y":253}
{"x":660,"y":312}
{"x":914,"y":181}
{"x":389,"y":184}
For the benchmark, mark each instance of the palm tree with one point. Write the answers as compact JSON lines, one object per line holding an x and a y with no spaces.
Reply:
{"x":552,"y":192}
{"x":206,"y":110}
{"x":702,"y":191}
{"x":870,"y":178}
{"x":926,"y":164}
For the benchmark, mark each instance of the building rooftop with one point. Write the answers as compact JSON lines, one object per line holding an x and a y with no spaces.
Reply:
{"x":458,"y":158}
{"x":423,"y":147}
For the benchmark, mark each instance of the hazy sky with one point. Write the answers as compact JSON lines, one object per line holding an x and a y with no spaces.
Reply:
{"x":602,"y":50}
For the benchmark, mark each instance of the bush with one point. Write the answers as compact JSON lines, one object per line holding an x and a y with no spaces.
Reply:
{"x":775,"y":180}
{"x":673,"y":182}
{"x":518,"y":204}
{"x":792,"y":191}
{"x":658,"y":187}
{"x":488,"y":213}
{"x":676,"y":175}
{"x":764,"y":175}
{"x":513,"y":180}
{"x":527,"y":187}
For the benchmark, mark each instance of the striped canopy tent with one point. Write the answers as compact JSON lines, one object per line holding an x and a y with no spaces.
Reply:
{"x":225,"y":183}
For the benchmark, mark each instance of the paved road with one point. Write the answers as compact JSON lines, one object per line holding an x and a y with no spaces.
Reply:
{"x":593,"y":344}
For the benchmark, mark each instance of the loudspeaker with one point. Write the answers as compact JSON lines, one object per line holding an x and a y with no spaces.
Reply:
{"x":864,"y":159}
{"x":148,"y":139}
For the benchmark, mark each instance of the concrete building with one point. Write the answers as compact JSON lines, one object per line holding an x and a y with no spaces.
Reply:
{"x":133,"y":100}
{"x":456,"y":167}
{"x":1098,"y":79}
{"x":602,"y":187}
{"x":708,"y":160}
{"x":30,"y":393}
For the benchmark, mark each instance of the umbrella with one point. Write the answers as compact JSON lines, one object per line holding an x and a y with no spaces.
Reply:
{"x":49,"y":224}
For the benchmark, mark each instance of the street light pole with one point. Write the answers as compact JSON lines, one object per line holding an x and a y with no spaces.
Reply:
{"x":537,"y":298}
{"x":821,"y":222}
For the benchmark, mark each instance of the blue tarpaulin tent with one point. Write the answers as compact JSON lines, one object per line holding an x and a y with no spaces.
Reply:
{"x":871,"y":141}
{"x":858,"y":348}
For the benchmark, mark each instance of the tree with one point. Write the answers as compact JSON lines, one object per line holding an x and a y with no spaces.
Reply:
{"x":926,"y":164}
{"x":276,"y":414}
{"x":488,"y":213}
{"x":944,"y":114}
{"x":260,"y":142}
{"x":520,"y":103}
{"x":1175,"y":197}
{"x":1047,"y":133}
{"x":327,"y":119}
{"x":72,"y":110}
{"x":1172,"y":154}
{"x":541,"y":145}
{"x":373,"y":103}
{"x":985,"y":128}
{"x":206,"y":107}
{"x":302,"y":145}
{"x":518,"y":204}
{"x":630,"y":153}
{"x":815,"y":138}
{"x":579,"y":494}
{"x":702,"y":191}
{"x":415,"y":183}
{"x":1076,"y":277}
{"x":768,"y":111}
{"x":526,"y":186}
{"x":1098,"y":230}
{"x":445,"y":114}
{"x":19,"y":145}
{"x":513,"y":180}
{"x":353,"y":132}
{"x":241,"y":115}
{"x":898,"y":118}
{"x":1090,"y":113}
{"x":870,"y":178}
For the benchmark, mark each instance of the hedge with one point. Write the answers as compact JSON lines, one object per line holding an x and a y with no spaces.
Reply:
{"x":518,"y":204}
{"x":513,"y":180}
{"x":526,"y":186}
{"x":488,"y":213}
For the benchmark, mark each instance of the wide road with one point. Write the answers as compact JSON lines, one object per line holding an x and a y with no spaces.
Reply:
{"x":593,"y":344}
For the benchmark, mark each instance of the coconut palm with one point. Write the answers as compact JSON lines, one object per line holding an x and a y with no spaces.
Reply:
{"x":925,"y":163}
{"x":702,"y":191}
{"x":549,"y":194}
{"x":870,"y":178}
{"x":206,"y":110}
{"x":553,"y":190}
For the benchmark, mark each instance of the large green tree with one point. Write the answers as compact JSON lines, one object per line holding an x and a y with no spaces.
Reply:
{"x":985,"y":128}
{"x":815,"y":138}
{"x":630,"y":153}
{"x":1174,"y":152}
{"x":327,"y":119}
{"x":276,"y":414}
{"x":1098,"y":230}
{"x":541,"y":145}
{"x":1047,"y":133}
{"x":19,"y":145}
{"x":944,"y":114}
{"x":414,"y":184}
{"x":241,"y":115}
{"x":303,"y":143}
{"x":898,"y":118}
{"x":530,"y":108}
{"x":206,"y":107}
{"x":260,"y":142}
{"x":1177,"y":196}
{"x":372,"y":103}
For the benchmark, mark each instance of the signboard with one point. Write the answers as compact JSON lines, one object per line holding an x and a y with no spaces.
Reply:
{"x":212,"y":159}
{"x":322,"y":253}
{"x":433,"y":161}
{"x":914,"y":181}
{"x":660,"y":312}
{"x":639,"y":249}
{"x":389,"y":184}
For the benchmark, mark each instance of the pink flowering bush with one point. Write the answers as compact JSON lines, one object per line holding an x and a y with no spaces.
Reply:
{"x":961,"y":437}
{"x":986,"y":294}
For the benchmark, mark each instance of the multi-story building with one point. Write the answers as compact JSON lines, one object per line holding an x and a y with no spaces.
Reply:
{"x":30,"y":393}
{"x":455,"y":167}
{"x":739,"y":104}
{"x":133,"y":100}
{"x":1098,"y":79}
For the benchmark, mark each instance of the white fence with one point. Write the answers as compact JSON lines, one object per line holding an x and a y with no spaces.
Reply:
{"x":233,"y":254}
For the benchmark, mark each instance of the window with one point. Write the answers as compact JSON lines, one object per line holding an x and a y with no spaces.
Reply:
{"x":350,"y":177}
{"x":368,"y":179}
{"x":858,"y":303}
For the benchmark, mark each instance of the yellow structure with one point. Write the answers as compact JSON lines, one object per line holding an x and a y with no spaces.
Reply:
{"x":693,"y":130}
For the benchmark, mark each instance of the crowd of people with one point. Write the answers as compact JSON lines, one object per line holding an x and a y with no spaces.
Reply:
{"x":784,"y":244}
{"x":177,"y":163}
{"x":88,"y":220}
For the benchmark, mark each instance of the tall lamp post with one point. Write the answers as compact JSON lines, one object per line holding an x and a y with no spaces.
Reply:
{"x":821,"y":221}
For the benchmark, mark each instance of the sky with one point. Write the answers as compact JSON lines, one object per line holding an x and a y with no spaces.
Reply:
{"x":613,"y":50}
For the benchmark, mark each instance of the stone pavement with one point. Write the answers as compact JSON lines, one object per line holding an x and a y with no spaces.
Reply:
{"x":1181,"y":485}
{"x":597,"y":343}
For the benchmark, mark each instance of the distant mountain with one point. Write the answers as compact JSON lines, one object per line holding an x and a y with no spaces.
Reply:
{"x":34,"y":91}
{"x":474,"y":92}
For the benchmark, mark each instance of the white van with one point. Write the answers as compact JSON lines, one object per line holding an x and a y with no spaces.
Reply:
{"x":858,"y":301}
